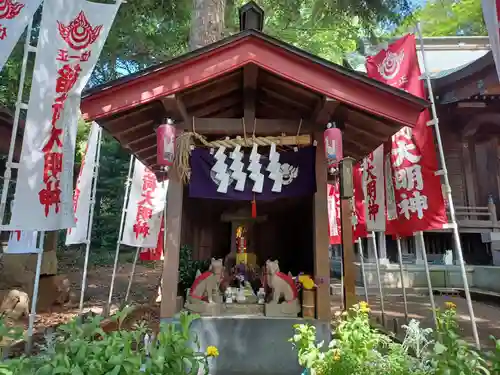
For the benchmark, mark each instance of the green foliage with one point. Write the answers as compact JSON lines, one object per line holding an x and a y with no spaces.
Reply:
{"x":361,"y":350}
{"x":78,"y":349}
{"x":451,"y":354}
{"x":188,"y":268}
{"x":110,"y":193}
{"x":448,"y":18}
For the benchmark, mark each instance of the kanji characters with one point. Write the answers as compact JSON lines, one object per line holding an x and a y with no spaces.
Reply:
{"x":68,"y":76}
{"x":417,"y":203}
{"x":141,"y":228}
{"x":409,"y":178}
{"x":405,"y":151}
{"x":3,"y":32}
{"x":52,"y":166}
{"x":145,"y":205}
{"x":50,"y":196}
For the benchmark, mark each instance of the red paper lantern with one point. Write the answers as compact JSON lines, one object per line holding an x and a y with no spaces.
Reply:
{"x":165,"y":144}
{"x":333,"y":145}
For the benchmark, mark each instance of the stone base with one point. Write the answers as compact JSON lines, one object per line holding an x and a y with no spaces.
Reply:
{"x":204,"y":309}
{"x":284,"y":310}
{"x":244,"y":344}
{"x":18,"y":270}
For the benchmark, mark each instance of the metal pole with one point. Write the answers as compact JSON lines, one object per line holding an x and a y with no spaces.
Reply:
{"x":34,"y":297}
{"x":420,"y":236}
{"x":401,"y":273}
{"x":379,"y":281}
{"x":120,"y":234}
{"x":91,"y":219}
{"x":129,"y":286}
{"x":456,"y":235}
{"x":361,"y":256}
{"x":9,"y":164}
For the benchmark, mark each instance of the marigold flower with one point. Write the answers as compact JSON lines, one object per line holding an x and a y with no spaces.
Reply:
{"x":306,"y":282}
{"x":450,"y":305}
{"x":364,"y":307}
{"x":212,"y":351}
{"x":336,"y":355}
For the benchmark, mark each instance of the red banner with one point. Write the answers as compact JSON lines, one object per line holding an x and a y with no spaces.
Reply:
{"x":154,"y":253}
{"x":418,"y":198}
{"x":358,"y":217}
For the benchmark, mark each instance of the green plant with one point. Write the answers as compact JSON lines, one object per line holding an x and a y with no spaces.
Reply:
{"x":357,"y":349}
{"x":451,"y":354}
{"x":78,"y":349}
{"x":188,"y":268}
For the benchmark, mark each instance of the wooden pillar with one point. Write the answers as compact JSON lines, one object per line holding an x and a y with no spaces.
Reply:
{"x":170,"y":275}
{"x":321,"y":238}
{"x":348,"y":256}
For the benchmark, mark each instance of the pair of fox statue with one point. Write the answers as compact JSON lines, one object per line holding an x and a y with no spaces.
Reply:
{"x":205,"y":297}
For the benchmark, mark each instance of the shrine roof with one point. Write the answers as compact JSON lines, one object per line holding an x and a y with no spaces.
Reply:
{"x":250,"y":75}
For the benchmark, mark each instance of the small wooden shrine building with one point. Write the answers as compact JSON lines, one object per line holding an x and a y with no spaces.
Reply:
{"x":250,"y":83}
{"x":468,"y":104}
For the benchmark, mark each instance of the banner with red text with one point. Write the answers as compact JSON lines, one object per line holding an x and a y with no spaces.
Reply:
{"x":83,"y":190}
{"x":374,"y":190}
{"x":145,"y":209}
{"x":154,"y":253}
{"x":23,"y":242}
{"x":491,"y":14}
{"x":14,"y":17}
{"x":72,"y":33}
{"x":334,"y":214}
{"x":417,"y":189}
{"x":358,"y":213}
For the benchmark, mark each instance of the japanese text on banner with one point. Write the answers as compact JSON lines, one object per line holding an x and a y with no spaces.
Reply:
{"x":14,"y":17}
{"x":144,"y":209}
{"x":83,"y":190}
{"x":417,"y":189}
{"x":72,"y":33}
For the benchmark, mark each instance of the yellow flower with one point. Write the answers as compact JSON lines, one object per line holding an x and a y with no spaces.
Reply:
{"x":306,"y":282}
{"x":363,"y":307}
{"x":336,"y":355}
{"x":450,"y":305}
{"x":212,"y":351}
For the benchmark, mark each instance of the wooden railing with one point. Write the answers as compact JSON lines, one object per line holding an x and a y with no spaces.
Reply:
{"x":477,"y":219}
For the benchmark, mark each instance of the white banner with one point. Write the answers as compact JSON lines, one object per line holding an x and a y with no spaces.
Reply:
{"x":144,"y":210}
{"x":72,"y":34}
{"x":14,"y":17}
{"x":83,"y":191}
{"x":491,"y":19}
{"x":374,"y":189}
{"x":22,"y":242}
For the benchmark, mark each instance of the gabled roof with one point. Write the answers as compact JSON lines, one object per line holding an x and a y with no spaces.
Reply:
{"x":215,"y":85}
{"x":238,"y":42}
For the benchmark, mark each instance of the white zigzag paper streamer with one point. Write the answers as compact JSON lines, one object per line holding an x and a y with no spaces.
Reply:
{"x":274,"y":169}
{"x":254,"y":168}
{"x":220,"y":169}
{"x":237,"y":168}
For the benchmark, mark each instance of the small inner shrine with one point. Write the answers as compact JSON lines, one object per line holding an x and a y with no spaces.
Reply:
{"x":245,"y":209}
{"x":248,"y":186}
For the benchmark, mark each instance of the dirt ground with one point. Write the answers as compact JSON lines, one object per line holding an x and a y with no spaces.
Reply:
{"x":147,"y":276}
{"x":143,"y":289}
{"x":419,"y":308}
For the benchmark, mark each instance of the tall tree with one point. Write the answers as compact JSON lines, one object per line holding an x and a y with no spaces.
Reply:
{"x":207,"y":22}
{"x":448,"y":18}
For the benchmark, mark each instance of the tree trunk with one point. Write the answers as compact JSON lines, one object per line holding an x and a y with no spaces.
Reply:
{"x":207,"y":23}
{"x":207,"y":27}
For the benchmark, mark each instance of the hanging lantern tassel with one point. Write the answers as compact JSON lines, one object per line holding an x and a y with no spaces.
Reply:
{"x":254,"y":208}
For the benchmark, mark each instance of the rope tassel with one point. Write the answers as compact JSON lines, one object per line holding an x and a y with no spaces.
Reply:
{"x":254,"y":208}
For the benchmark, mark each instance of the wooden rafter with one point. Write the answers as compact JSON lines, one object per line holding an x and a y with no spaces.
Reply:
{"x":324,"y":110}
{"x":250,"y":76}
